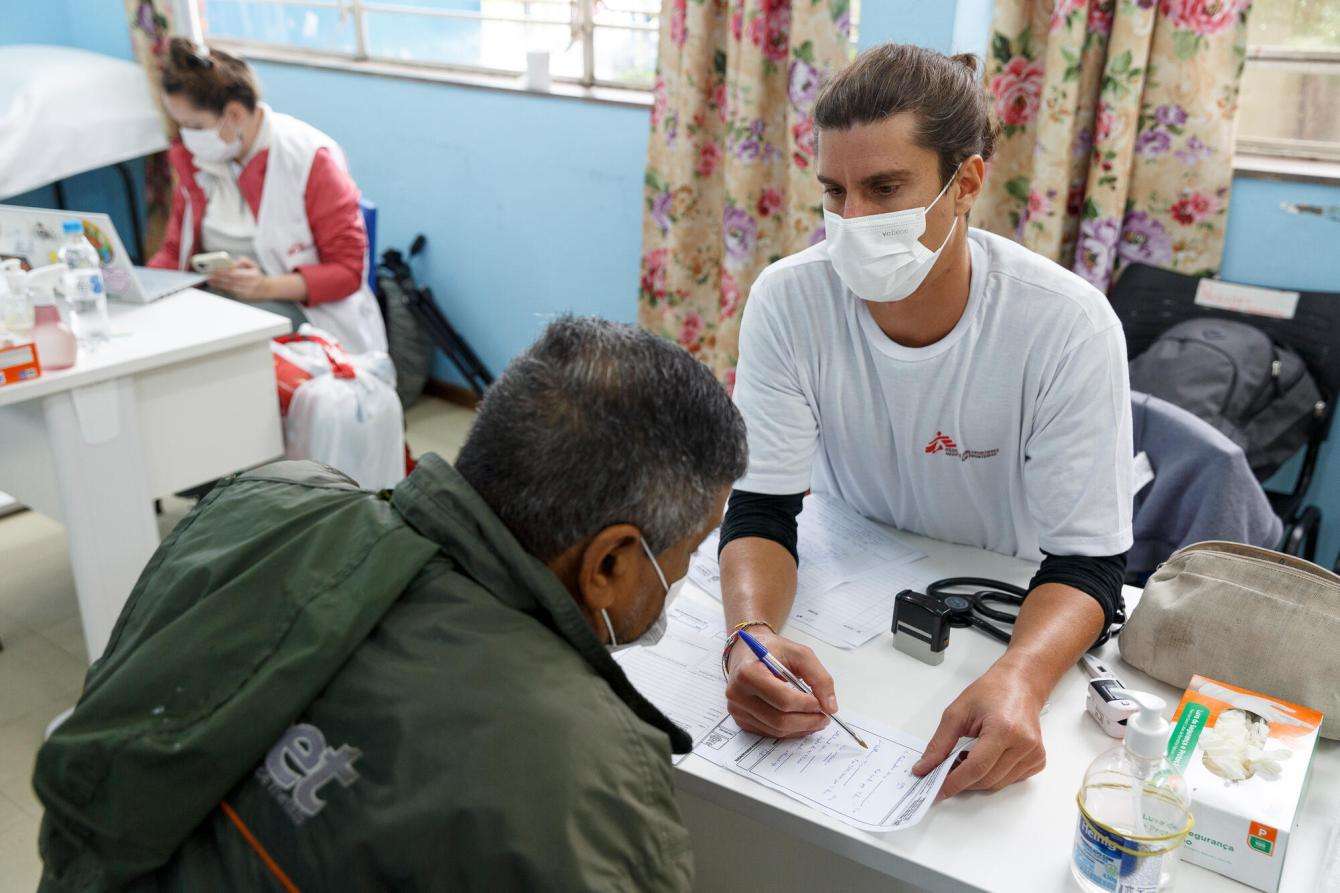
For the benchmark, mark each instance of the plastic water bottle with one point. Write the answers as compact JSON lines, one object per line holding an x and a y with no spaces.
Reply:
{"x":84,"y":288}
{"x":1135,"y":810}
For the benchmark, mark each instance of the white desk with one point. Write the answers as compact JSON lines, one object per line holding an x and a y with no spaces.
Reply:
{"x":184,"y":393}
{"x":1018,"y":839}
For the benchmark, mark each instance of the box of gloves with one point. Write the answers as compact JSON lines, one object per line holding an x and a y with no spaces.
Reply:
{"x":1246,"y":758}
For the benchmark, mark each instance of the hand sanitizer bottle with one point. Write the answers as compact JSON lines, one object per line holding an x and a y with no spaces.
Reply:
{"x":56,"y":345}
{"x":1134,"y":810}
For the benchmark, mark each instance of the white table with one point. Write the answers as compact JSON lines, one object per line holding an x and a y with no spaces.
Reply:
{"x":1018,"y":839}
{"x":184,"y":393}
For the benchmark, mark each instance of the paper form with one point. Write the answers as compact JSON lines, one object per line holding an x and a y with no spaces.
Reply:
{"x":681,"y":675}
{"x":693,"y":615}
{"x":870,"y":789}
{"x":836,"y":544}
{"x":853,"y":613}
{"x":704,"y":571}
{"x":850,"y":570}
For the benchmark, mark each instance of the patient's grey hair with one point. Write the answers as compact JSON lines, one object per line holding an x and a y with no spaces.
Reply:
{"x":600,"y":423}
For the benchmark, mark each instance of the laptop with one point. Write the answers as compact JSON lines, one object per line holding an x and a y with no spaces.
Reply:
{"x":34,"y":235}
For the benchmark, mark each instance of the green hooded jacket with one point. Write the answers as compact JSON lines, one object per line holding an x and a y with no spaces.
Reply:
{"x":319,"y":688}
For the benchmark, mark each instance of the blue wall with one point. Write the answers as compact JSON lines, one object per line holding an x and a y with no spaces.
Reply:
{"x":97,"y":25}
{"x":22,"y":21}
{"x":532,"y":205}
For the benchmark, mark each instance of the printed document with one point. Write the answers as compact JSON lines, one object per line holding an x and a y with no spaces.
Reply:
{"x":681,"y":675}
{"x":871,"y":789}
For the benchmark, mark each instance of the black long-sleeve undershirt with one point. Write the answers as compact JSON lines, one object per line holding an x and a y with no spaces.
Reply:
{"x":774,"y":518}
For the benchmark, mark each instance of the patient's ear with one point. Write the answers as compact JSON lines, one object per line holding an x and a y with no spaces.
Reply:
{"x":609,"y":569}
{"x":601,"y":572}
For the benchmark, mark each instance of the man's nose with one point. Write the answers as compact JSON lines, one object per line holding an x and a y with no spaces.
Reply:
{"x":856,"y":207}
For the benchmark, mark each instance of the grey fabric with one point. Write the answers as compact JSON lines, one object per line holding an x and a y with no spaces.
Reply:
{"x":1246,"y":616}
{"x":1202,"y":488}
{"x":291,"y":310}
{"x":1258,"y":393}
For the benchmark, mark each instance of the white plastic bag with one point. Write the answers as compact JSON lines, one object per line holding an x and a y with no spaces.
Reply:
{"x":347,"y":418}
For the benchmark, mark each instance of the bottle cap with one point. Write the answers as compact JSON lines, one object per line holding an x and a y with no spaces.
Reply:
{"x":72,"y":226}
{"x":1147,"y":731}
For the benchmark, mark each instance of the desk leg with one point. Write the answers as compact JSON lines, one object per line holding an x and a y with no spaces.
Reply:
{"x":105,"y":500}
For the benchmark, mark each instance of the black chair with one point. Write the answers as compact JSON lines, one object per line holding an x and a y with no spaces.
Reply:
{"x":1148,"y":301}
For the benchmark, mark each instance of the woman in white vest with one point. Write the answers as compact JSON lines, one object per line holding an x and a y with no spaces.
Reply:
{"x":271,"y":191}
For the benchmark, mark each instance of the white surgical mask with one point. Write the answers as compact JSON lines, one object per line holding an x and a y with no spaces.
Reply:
{"x":207,"y":145}
{"x":656,"y":631}
{"x":880,"y":256}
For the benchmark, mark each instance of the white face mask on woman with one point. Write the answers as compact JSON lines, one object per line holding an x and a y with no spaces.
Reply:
{"x":208,"y":146}
{"x":656,"y":631}
{"x":880,"y":256}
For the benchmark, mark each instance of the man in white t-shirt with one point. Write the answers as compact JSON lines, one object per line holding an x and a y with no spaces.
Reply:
{"x":940,"y":379}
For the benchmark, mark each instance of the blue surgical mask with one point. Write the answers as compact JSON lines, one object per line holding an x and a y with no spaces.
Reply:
{"x":656,"y":631}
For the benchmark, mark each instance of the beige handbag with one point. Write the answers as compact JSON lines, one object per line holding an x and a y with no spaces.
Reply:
{"x":1246,"y":616}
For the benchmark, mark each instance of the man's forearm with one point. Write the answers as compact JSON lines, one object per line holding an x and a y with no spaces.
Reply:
{"x":1056,"y":625}
{"x":758,"y":581}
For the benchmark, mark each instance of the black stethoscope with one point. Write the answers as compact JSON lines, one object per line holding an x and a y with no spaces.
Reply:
{"x":975,"y":608}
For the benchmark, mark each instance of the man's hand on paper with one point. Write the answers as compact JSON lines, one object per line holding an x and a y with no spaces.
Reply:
{"x":765,"y":705}
{"x":1001,"y":710}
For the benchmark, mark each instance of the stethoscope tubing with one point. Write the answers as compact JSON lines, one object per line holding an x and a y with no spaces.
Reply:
{"x":980,"y":612}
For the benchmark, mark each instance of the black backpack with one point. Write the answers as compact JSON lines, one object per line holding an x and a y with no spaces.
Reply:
{"x":1231,"y":374}
{"x":416,"y":326}
{"x":408,"y":343}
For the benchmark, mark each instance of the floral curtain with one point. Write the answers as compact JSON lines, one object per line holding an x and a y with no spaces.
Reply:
{"x":1117,"y":130}
{"x":150,"y":27}
{"x":730,"y":183}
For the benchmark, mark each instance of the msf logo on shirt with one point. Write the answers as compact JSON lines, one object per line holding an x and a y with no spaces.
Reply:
{"x":300,"y":765}
{"x":944,"y":444}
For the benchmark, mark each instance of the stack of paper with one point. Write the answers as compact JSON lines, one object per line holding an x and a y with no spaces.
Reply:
{"x":850,"y":570}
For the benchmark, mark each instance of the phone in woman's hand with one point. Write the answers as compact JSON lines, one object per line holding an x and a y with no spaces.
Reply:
{"x":211,"y":262}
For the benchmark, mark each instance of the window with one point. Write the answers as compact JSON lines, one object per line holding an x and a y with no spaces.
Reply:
{"x":609,"y":43}
{"x":1290,"y":103}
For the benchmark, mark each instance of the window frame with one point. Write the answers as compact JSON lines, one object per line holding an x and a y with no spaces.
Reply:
{"x":584,"y":29}
{"x":1312,"y":60}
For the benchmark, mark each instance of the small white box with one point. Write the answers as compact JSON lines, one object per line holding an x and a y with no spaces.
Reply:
{"x":537,"y":71}
{"x":1246,"y":758}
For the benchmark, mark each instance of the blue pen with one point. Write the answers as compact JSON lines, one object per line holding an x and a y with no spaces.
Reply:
{"x":781,"y":672}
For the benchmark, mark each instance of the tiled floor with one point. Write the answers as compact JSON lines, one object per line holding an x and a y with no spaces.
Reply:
{"x":43,"y":661}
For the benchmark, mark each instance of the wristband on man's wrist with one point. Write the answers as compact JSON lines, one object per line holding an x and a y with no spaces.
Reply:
{"x":734,"y":637}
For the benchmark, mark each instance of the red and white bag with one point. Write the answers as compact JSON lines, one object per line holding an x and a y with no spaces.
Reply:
{"x":338,"y":410}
